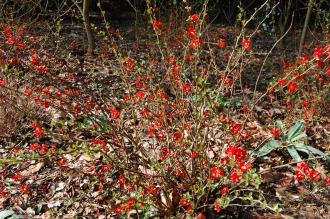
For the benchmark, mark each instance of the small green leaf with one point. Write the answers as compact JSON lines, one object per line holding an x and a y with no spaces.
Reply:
{"x":296,"y":130}
{"x":302,"y":147}
{"x":299,"y":136}
{"x":267,"y":148}
{"x":311,"y":150}
{"x":279,"y":124}
{"x":294,"y":154}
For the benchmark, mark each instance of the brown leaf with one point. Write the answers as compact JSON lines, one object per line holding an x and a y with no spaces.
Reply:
{"x":32,"y":169}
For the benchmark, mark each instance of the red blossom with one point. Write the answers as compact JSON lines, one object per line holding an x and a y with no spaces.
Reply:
{"x":222,"y":43}
{"x":186,"y":88}
{"x":3,"y":83}
{"x":247,"y":44}
{"x":115,"y":114}
{"x":292,"y":87}
{"x":236,"y":153}
{"x":158,"y":25}
{"x":235,"y":129}
{"x":194,"y":17}
{"x":37,"y":130}
{"x":276,"y":132}
{"x":25,"y":190}
{"x":192,"y":33}
{"x":217,"y":207}
{"x":235,"y":177}
{"x":10,"y":41}
{"x":216,"y":173}
{"x":224,"y":191}
{"x":318,"y":53}
{"x":282,"y":82}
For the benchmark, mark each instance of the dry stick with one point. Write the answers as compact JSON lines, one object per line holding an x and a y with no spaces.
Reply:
{"x":227,"y":69}
{"x":295,"y":162}
{"x":263,"y":95}
{"x":263,"y":64}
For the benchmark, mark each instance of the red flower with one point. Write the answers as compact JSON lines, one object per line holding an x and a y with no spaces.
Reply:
{"x":318,"y":53}
{"x":121,"y":180}
{"x":243,"y":167}
{"x":282,"y":82}
{"x":222,"y":43}
{"x":313,"y":174}
{"x":25,"y":189}
{"x":186,"y":88}
{"x":235,"y":129}
{"x":299,"y":175}
{"x":235,"y":177}
{"x":224,"y":191}
{"x":158,"y":25}
{"x":194,"y":154}
{"x":292,"y":87}
{"x":184,"y":203}
{"x":41,"y":69}
{"x":10,"y":41}
{"x":217,"y":208}
{"x":276,"y":133}
{"x":17,"y":177}
{"x":196,"y":43}
{"x":194,"y":17}
{"x":216,"y":173}
{"x":140,"y":95}
{"x":37,"y":130}
{"x":3,"y":83}
{"x":115,"y":114}
{"x":247,"y":44}
{"x":35,"y":61}
{"x":201,"y":216}
{"x":237,"y":153}
{"x":192,"y":33}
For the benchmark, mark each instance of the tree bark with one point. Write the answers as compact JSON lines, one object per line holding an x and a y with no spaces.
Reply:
{"x":307,"y":18}
{"x":88,"y":29}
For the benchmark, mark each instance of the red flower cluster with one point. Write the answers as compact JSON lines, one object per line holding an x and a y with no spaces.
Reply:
{"x":216,"y":173}
{"x":236,"y":153}
{"x":235,"y":129}
{"x":193,"y":36}
{"x":292,"y":87}
{"x":37,"y":130}
{"x":304,"y":171}
{"x":186,"y":204}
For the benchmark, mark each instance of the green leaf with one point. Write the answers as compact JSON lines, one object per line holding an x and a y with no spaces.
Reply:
{"x":267,"y":148}
{"x":302,"y":147}
{"x":296,"y":130}
{"x":279,"y":124}
{"x":299,"y":136}
{"x":6,"y":213}
{"x":294,"y":154}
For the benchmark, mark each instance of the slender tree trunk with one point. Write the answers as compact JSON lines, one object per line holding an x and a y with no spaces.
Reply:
{"x":88,"y":29}
{"x":307,"y":18}
{"x":284,"y":21}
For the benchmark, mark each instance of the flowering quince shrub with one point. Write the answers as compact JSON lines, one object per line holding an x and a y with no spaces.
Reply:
{"x":167,"y":144}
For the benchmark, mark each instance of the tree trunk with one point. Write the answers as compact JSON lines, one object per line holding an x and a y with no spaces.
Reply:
{"x":88,"y":29}
{"x":303,"y":34}
{"x":284,"y":21}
